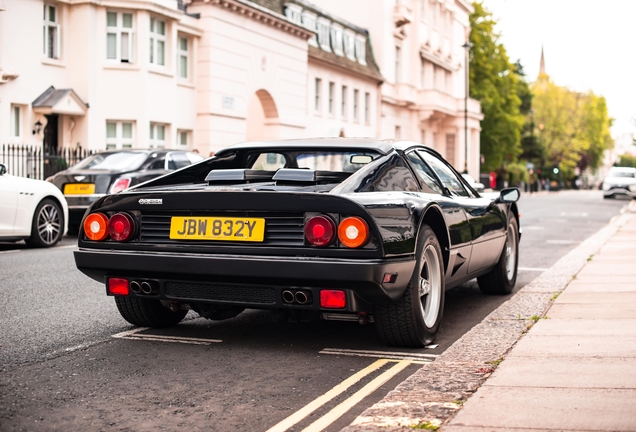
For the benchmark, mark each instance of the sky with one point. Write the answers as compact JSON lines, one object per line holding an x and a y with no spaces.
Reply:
{"x":589,"y":45}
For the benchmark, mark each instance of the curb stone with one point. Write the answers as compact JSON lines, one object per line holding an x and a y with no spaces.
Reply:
{"x":434,"y":393}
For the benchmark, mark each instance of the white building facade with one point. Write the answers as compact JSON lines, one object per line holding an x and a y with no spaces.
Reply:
{"x":204,"y":74}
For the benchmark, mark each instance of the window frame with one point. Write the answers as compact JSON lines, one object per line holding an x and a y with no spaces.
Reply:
{"x":181,"y":53}
{"x":466,"y":192}
{"x":332,"y":98}
{"x":356,"y":103}
{"x":155,"y":39}
{"x":119,"y":141}
{"x":317,"y":95}
{"x":180,"y":135}
{"x":432,"y":182}
{"x":367,"y":107}
{"x":343,"y":102}
{"x":153,"y":141}
{"x":47,"y":26}
{"x":17,"y":121}
{"x":119,"y":32}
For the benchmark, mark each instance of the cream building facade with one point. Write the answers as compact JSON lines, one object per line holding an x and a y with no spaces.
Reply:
{"x":204,"y":74}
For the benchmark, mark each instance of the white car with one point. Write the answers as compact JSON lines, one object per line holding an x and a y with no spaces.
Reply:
{"x":31,"y":210}
{"x":479,"y":187}
{"x":620,"y":181}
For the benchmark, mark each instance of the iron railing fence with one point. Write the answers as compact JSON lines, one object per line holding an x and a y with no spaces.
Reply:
{"x":24,"y":160}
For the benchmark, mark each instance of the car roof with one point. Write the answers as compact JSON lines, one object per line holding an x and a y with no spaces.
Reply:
{"x":380,"y":146}
{"x":623,"y":169}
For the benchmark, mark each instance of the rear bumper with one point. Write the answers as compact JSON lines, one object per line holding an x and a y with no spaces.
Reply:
{"x":204,"y":275}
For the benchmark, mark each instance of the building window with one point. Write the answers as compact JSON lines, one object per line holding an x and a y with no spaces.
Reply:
{"x":157,"y":42}
{"x":336,"y":39}
{"x":119,"y":135}
{"x":356,"y":96}
{"x":323,"y":33}
{"x":423,"y":73}
{"x":293,"y":12}
{"x":423,"y":10}
{"x":332,"y":90}
{"x":157,"y":135}
{"x":317,"y":92}
{"x":344,"y":102}
{"x":361,"y":50}
{"x":119,"y":37}
{"x":398,"y":132}
{"x":51,"y":32}
{"x":16,"y":121}
{"x":398,"y":65}
{"x":309,"y":21}
{"x":183,"y":58}
{"x":350,"y":45}
{"x":367,"y":108}
{"x":182,"y":138}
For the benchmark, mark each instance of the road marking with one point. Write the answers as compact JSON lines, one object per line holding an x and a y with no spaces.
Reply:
{"x":134,"y":335}
{"x":563,"y":242}
{"x":574,"y":214}
{"x":337,"y":412}
{"x":539,"y":269}
{"x":381,"y":354}
{"x":331,"y":394}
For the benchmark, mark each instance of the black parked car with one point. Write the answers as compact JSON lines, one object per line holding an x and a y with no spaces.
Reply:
{"x":111,"y":172}
{"x":346,"y":229}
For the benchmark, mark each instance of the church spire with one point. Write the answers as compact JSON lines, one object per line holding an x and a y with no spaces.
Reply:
{"x":542,"y":65}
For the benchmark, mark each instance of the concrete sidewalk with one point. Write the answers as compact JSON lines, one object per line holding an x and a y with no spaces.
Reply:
{"x":575,"y":369}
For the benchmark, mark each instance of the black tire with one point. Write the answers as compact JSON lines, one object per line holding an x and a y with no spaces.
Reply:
{"x":503,"y":277}
{"x":414,"y":320}
{"x":148,"y":313}
{"x":47,"y":226}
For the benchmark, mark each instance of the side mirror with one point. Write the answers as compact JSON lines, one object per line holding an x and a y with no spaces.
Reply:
{"x":3,"y":169}
{"x":509,"y":195}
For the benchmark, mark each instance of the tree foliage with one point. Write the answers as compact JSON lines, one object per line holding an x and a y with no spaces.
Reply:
{"x":573,"y":127}
{"x":498,"y":86}
{"x":626,"y":160}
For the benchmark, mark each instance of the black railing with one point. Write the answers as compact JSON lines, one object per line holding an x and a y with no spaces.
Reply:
{"x":33,"y":162}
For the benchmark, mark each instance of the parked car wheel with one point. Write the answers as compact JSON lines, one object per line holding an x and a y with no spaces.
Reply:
{"x":148,"y":313}
{"x":502,"y":278}
{"x":48,"y":224}
{"x":415,"y":319}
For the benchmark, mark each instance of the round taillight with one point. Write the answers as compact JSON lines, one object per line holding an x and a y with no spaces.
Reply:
{"x":96,"y":226}
{"x":121,"y":227}
{"x":320,"y":230}
{"x":353,"y":232}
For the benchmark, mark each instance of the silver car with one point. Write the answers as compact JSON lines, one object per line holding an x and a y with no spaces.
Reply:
{"x":620,"y":181}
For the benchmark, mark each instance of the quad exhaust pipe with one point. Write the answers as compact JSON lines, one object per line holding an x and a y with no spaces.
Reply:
{"x":147,"y":287}
{"x":299,"y":297}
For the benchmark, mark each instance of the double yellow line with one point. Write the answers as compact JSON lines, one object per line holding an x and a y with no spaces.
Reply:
{"x":337,"y":412}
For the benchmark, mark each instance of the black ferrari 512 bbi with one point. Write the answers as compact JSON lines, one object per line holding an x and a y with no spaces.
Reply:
{"x":343,"y":229}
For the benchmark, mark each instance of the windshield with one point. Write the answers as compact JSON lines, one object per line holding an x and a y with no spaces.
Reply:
{"x":627,"y":174}
{"x":124,"y":161}
{"x":335,"y":161}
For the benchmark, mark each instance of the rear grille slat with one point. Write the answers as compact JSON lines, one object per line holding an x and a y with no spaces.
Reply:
{"x":280,"y":229}
{"x":221,"y":292}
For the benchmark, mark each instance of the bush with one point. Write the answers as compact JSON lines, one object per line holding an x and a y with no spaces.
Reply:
{"x":517,"y":172}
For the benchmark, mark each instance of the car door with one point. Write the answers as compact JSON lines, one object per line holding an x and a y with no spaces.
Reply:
{"x":487,"y":221}
{"x":8,"y":204}
{"x":454,"y":215}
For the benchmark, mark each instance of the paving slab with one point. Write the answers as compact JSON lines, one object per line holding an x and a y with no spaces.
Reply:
{"x":584,"y":327}
{"x":597,"y":298}
{"x":583,"y":311}
{"x":605,"y":279}
{"x":595,"y":268}
{"x":574,"y":346}
{"x":547,"y":409}
{"x":565,"y":372}
{"x":584,"y":286}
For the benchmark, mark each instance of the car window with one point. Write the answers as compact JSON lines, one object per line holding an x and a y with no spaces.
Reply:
{"x":424,"y":173}
{"x":124,"y":161}
{"x":269,"y":162}
{"x":445,"y":174}
{"x":177,"y":161}
{"x":158,"y":164}
{"x":344,"y":161}
{"x":617,"y":173}
{"x":194,"y":157}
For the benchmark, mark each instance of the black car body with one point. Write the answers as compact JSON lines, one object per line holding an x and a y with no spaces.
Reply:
{"x":111,"y":171}
{"x":407,"y":227}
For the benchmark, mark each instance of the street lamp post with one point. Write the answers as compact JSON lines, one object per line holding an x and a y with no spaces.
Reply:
{"x":466,"y":46}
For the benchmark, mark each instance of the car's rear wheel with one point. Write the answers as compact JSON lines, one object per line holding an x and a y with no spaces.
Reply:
{"x":503,"y":277}
{"x":148,"y":313}
{"x":414,"y":320}
{"x":48,"y":224}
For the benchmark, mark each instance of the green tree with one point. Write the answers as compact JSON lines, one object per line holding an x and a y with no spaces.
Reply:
{"x":574,"y":127}
{"x":496,"y":83}
{"x":626,"y":160}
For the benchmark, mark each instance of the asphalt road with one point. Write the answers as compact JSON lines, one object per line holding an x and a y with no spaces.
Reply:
{"x":61,"y":368}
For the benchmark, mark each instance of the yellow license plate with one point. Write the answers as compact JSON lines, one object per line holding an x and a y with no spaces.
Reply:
{"x":79,"y":189}
{"x":217,"y":228}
